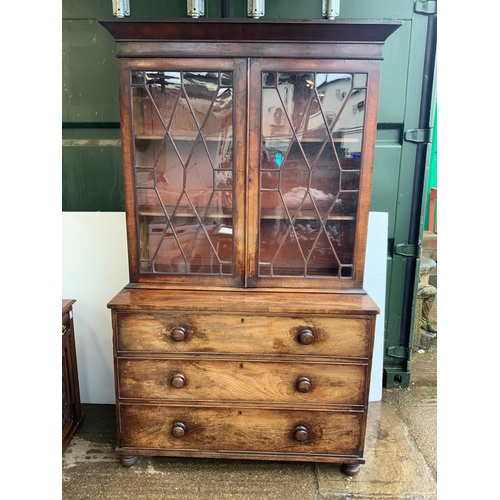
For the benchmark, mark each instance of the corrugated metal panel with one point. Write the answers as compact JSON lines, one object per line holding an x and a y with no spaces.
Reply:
{"x":89,"y":86}
{"x":92,"y":176}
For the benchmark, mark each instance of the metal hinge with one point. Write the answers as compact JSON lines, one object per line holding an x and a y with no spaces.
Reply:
{"x":407,"y":250}
{"x":397,"y":351}
{"x":425,"y":7}
{"x":418,"y":135}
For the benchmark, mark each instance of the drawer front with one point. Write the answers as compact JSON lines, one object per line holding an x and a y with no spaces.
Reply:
{"x":241,"y":334}
{"x":232,"y":380}
{"x":241,"y":429}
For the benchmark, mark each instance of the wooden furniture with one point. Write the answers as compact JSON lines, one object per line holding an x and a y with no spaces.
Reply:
{"x":72,"y":413}
{"x":247,"y":157}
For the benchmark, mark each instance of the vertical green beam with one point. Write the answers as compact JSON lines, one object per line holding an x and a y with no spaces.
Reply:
{"x":432,"y":169}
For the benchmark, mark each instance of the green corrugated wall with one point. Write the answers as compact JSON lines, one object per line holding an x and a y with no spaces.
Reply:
{"x":91,"y":155}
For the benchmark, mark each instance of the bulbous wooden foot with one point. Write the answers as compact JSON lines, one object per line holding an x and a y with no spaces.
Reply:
{"x":350,"y":469}
{"x":128,"y":460}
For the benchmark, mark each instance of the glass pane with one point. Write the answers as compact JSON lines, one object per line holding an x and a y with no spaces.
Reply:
{"x":184,"y":171}
{"x":269,"y":79}
{"x":226,"y":79}
{"x":360,"y":80}
{"x":348,"y":131}
{"x":310,"y":166}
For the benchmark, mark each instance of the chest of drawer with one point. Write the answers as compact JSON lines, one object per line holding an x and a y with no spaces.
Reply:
{"x":157,"y":332}
{"x":238,"y":380}
{"x":226,"y":430}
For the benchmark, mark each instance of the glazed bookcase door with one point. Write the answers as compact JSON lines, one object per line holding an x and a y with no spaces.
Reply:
{"x":309,"y":172}
{"x":184,"y":165}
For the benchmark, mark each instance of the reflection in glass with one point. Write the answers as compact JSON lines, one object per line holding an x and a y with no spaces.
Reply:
{"x":269,"y":79}
{"x":310,"y":165}
{"x":226,"y":79}
{"x":360,"y":80}
{"x":184,"y":170}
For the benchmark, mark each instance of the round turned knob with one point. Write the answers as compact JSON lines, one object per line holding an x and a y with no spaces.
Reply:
{"x":306,"y":336}
{"x":178,"y":334}
{"x":178,"y":429}
{"x":178,"y":380}
{"x":300,"y":433}
{"x":304,"y":384}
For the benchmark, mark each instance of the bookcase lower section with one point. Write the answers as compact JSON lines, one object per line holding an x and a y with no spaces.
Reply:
{"x":269,"y":377}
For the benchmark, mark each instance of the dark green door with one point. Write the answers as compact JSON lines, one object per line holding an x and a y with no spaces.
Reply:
{"x":401,"y":165}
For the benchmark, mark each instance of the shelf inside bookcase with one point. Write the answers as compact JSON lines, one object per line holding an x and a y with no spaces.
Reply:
{"x":157,"y":211}
{"x":268,"y":214}
{"x":269,"y":141}
{"x":193,"y":137}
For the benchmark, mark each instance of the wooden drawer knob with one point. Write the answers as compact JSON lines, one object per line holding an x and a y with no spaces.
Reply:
{"x":178,"y":380}
{"x":178,"y":429}
{"x":300,"y":433}
{"x":306,"y":336}
{"x":178,"y":334}
{"x":304,"y":384}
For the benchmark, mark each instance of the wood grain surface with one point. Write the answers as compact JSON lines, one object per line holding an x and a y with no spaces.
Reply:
{"x":241,"y":428}
{"x":241,"y":300}
{"x":251,"y":381}
{"x":244,"y":334}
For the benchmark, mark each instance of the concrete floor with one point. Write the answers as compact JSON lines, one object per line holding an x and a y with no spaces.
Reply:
{"x":400,"y":452}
